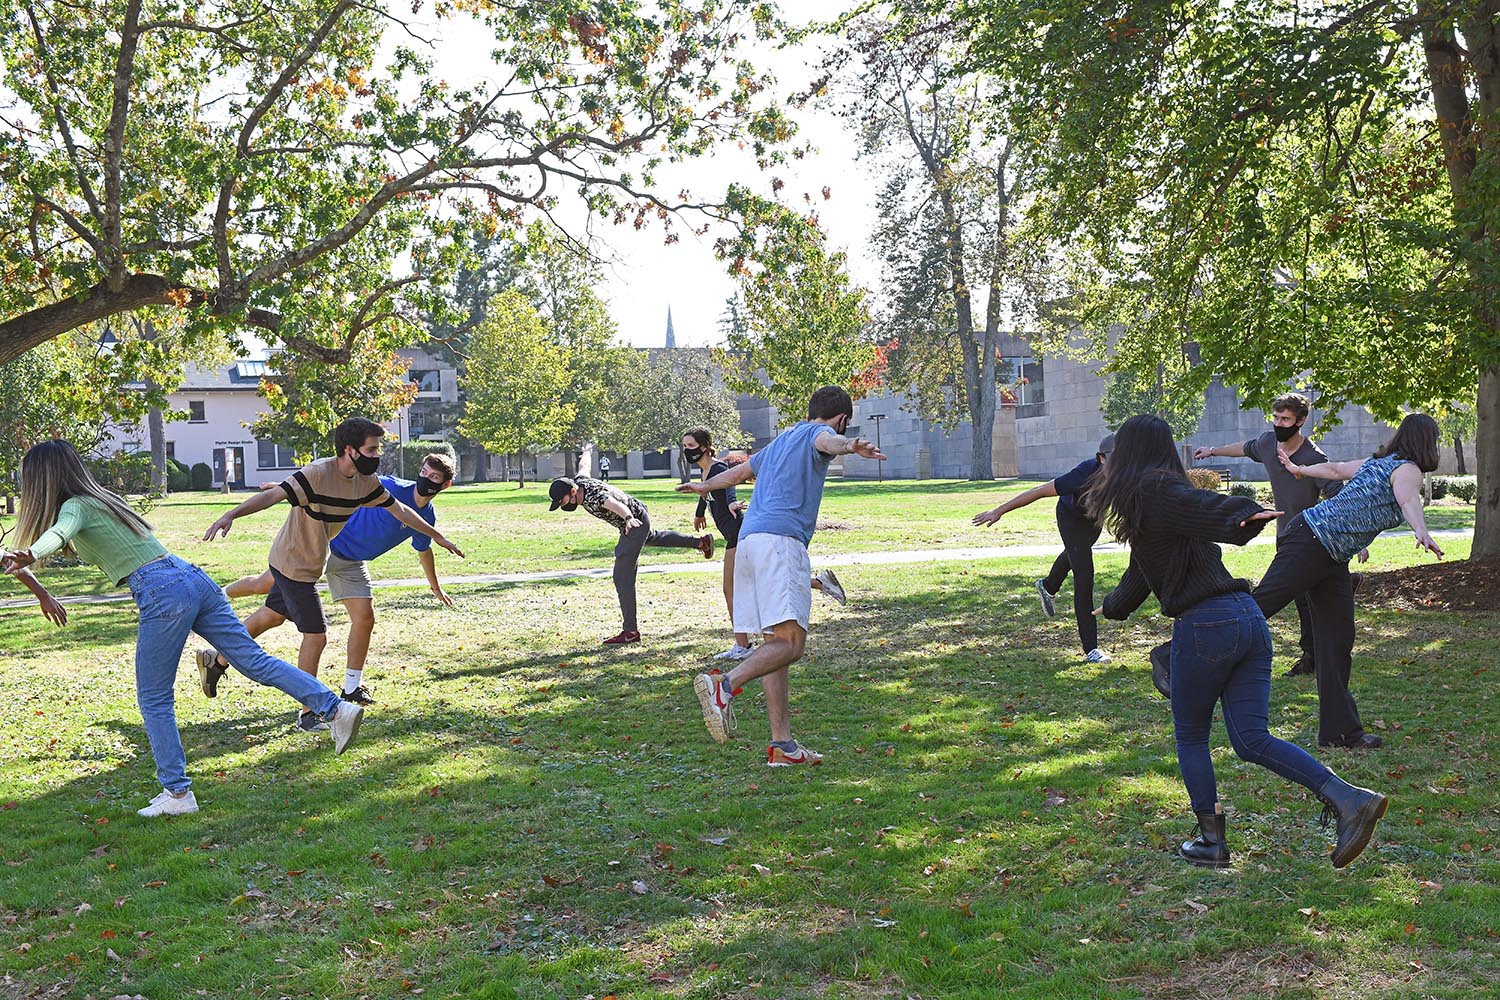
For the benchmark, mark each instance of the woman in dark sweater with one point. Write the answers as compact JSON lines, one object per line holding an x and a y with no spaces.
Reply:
{"x":1221,"y":646}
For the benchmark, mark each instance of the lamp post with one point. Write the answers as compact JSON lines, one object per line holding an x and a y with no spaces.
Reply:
{"x":879,"y":466}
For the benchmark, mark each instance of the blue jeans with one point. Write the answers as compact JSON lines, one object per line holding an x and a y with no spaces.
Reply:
{"x":175,"y":598}
{"x":1221,"y":652}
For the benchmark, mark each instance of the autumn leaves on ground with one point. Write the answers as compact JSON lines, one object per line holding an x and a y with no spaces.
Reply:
{"x":531,"y":815}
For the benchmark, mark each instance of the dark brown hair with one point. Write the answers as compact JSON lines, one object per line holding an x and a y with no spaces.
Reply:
{"x":353,"y":433}
{"x":1145,"y":454}
{"x":1416,"y":440}
{"x":1293,"y":401}
{"x":830,"y":401}
{"x":703,"y":437}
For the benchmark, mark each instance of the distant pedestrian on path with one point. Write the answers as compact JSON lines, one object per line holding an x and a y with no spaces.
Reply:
{"x":1292,"y":494}
{"x":64,"y":509}
{"x":1079,"y":533}
{"x":1312,"y":558}
{"x":772,"y":597}
{"x":604,"y":468}
{"x":1221,"y":645}
{"x":628,"y":515}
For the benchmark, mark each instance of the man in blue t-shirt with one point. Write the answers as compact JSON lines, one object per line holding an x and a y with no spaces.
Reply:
{"x":369,"y":534}
{"x":771,"y":569}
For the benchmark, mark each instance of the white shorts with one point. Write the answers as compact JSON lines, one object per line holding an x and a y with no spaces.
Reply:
{"x":772,"y":583}
{"x":348,"y":579}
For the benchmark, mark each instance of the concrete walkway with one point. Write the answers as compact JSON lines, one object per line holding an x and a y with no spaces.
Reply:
{"x":884,"y":558}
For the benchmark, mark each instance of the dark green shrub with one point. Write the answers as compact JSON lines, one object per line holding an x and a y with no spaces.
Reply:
{"x":1439,"y":487}
{"x":178,"y":476}
{"x":1465,"y":488}
{"x":405,"y":460}
{"x":202,"y":476}
{"x":1242,"y":490}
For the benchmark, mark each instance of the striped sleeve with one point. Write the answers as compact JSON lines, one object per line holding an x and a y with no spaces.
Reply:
{"x":298,"y":487}
{"x":378,"y":497}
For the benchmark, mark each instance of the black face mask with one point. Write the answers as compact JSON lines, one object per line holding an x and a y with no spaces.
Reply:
{"x":570,"y":506}
{"x":427,"y":488}
{"x":1285,"y":434}
{"x":366,"y":465}
{"x":692,"y":454}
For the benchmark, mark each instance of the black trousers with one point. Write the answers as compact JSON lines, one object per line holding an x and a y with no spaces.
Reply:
{"x":1303,"y":566}
{"x":628,"y":554}
{"x":1078,"y":537}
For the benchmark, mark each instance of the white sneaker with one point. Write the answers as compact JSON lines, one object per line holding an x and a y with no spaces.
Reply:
{"x":735,"y":652}
{"x":1097,"y":655}
{"x":831,"y":586}
{"x":345,"y":725}
{"x":718,"y":708}
{"x":167,"y":804}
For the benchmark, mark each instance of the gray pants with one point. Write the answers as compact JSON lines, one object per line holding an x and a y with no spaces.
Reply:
{"x":628,"y":553}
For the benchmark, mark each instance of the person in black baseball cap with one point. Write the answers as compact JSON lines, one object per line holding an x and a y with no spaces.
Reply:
{"x":627,"y":514}
{"x":1079,"y":533}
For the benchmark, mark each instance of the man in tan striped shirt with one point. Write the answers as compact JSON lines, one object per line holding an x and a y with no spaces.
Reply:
{"x":324,"y":495}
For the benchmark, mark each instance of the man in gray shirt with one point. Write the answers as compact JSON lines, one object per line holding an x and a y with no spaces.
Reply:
{"x":1293,"y":495}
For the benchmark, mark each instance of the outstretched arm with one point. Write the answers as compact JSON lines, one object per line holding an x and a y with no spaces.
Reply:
{"x":261,"y":501}
{"x":837,"y":444}
{"x":1129,"y":594}
{"x":429,"y":567}
{"x":410,"y":518}
{"x":1323,"y":470}
{"x":1406,"y":483}
{"x":1236,"y":450}
{"x":732,"y":476}
{"x":1047,"y":489}
{"x":52,"y":609}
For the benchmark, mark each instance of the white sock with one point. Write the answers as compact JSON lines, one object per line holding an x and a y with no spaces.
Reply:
{"x":351,"y":679}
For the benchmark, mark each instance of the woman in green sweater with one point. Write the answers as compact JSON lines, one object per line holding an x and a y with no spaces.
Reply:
{"x":64,"y":509}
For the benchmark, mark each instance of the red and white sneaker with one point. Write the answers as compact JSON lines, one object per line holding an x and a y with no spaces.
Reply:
{"x":777,"y":757}
{"x":718,"y":704}
{"x":624,"y":638}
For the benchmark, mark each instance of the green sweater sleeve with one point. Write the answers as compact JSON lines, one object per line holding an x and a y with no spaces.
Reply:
{"x":70,"y":520}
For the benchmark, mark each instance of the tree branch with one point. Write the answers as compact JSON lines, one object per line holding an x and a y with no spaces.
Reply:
{"x":62,"y":121}
{"x":114,"y":142}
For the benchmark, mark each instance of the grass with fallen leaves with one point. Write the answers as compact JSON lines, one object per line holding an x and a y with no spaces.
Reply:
{"x":529,"y":814}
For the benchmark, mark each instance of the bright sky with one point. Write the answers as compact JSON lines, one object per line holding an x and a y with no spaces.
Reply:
{"x":646,"y":276}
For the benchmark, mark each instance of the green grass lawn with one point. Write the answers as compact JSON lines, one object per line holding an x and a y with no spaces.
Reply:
{"x":531,"y":815}
{"x":503,"y":529}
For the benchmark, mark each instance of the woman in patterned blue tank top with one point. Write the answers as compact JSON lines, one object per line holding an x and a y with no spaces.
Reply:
{"x":1312,"y":557}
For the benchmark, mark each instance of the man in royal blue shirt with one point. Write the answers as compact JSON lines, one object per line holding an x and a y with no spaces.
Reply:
{"x":369,"y":534}
{"x":771,"y":570}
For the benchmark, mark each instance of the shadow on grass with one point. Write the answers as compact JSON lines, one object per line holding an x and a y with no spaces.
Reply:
{"x":534,"y":821}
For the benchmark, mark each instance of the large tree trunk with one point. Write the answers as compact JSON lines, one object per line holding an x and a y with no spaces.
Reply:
{"x":520,"y":469}
{"x":1487,"y":466}
{"x":480,"y":460}
{"x":157,"y":433}
{"x":1458,"y":453}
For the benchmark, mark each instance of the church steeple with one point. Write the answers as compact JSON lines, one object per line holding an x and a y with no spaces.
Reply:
{"x":671,"y":334}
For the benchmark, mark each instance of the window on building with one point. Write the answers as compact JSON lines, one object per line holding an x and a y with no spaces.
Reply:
{"x":427,"y":379}
{"x":424,"y":418}
{"x":172,"y":449}
{"x":1020,"y":381}
{"x":275,"y":456}
{"x":195,"y":412}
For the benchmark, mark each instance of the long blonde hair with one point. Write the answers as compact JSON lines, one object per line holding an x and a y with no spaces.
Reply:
{"x":52,"y":472}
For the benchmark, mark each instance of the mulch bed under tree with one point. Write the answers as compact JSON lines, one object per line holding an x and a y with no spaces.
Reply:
{"x":1458,"y":585}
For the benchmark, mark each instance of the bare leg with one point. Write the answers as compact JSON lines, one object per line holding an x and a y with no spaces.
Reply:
{"x":740,"y":638}
{"x":311,"y":651}
{"x":782,"y":647}
{"x":361,"y":627}
{"x":249,"y":586}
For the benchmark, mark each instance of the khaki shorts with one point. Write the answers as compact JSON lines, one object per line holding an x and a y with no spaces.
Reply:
{"x":348,"y":579}
{"x":772,"y":575}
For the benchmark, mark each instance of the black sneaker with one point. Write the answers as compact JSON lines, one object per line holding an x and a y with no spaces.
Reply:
{"x":1302,"y":668}
{"x":309,"y":722}
{"x":360,"y":696}
{"x":209,"y":671}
